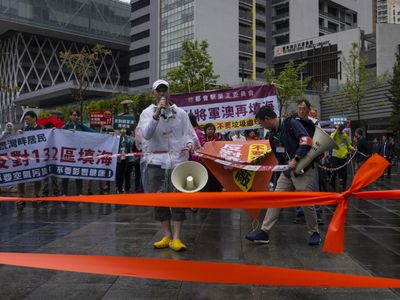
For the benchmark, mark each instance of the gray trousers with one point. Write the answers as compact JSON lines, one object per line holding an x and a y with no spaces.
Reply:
{"x":157,"y":180}
{"x":36,"y":188}
{"x":302,"y":183}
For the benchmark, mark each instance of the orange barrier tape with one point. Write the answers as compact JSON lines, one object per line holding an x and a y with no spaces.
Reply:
{"x":186,"y":270}
{"x":219,"y":272}
{"x":372,"y":169}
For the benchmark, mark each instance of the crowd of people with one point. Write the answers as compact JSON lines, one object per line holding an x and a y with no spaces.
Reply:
{"x":166,"y":136}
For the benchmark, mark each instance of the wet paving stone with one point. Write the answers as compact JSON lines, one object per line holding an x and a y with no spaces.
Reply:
{"x":372,"y":248}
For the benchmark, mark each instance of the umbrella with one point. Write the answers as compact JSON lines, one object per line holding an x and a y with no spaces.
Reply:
{"x":55,"y":121}
{"x":126,"y":102}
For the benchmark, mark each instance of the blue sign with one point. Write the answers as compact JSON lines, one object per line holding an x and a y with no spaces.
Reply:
{"x":338,"y":120}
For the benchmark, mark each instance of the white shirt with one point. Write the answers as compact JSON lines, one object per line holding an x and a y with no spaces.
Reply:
{"x":239,"y":138}
{"x":162,"y":141}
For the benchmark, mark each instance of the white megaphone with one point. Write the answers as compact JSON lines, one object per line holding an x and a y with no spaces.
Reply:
{"x":189,"y":177}
{"x":321,"y":142}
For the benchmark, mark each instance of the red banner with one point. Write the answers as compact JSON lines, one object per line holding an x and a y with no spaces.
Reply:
{"x":100,"y":117}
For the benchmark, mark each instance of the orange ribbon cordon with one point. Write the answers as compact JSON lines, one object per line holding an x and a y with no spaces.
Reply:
{"x":186,"y":270}
{"x":219,"y":272}
{"x":372,"y":169}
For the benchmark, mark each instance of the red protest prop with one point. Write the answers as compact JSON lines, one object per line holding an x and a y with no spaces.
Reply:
{"x":55,"y":121}
{"x":235,"y":180}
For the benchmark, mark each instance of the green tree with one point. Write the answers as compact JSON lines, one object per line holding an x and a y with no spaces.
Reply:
{"x":358,"y":78}
{"x":138,"y":103}
{"x":83,"y":64}
{"x":394,"y":98}
{"x":196,"y":70}
{"x":289,"y":84}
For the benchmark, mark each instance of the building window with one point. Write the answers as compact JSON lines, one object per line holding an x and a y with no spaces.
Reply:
{"x":140,"y":20}
{"x":140,"y":82}
{"x":177,"y":25}
{"x":333,"y":26}
{"x":139,"y":67}
{"x":140,"y":51}
{"x":332,"y":11}
{"x":260,"y":54}
{"x":140,"y":35}
{"x":139,"y":4}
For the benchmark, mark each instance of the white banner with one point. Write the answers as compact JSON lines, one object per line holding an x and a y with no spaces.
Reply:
{"x":229,"y":109}
{"x":34,"y":155}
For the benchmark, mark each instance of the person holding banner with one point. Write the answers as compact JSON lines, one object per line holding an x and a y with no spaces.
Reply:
{"x":74,"y":125}
{"x":30,"y":119}
{"x":166,"y":139}
{"x":290,"y":142}
{"x":124,"y":163}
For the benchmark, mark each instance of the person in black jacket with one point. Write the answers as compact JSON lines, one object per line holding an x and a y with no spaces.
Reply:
{"x":290,"y":142}
{"x":387,"y":153}
{"x":309,"y":123}
{"x":30,"y":119}
{"x":363,"y":149}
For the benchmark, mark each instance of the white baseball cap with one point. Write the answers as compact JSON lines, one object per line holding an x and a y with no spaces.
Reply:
{"x":159,"y":82}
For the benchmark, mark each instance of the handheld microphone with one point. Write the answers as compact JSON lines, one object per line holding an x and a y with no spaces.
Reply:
{"x":162,"y":110}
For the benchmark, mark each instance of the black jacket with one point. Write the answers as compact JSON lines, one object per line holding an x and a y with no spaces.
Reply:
{"x":286,"y":141}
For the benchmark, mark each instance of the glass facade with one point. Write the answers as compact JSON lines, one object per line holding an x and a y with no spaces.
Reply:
{"x":99,"y":18}
{"x":176,"y":25}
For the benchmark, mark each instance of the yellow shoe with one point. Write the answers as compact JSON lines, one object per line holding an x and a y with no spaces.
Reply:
{"x":164,"y":243}
{"x":177,"y":245}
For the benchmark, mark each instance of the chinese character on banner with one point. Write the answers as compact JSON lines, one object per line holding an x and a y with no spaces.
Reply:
{"x":231,"y":152}
{"x":228,"y":112}
{"x":257,"y":150}
{"x":214,"y":113}
{"x":244,"y":179}
{"x":68,"y":154}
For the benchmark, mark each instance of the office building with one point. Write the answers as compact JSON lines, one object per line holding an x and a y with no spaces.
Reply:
{"x":236,"y":31}
{"x":388,"y":11}
{"x":296,"y":20}
{"x":32,"y":35}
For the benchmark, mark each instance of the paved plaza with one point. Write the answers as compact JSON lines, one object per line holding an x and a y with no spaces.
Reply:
{"x":372,"y":243}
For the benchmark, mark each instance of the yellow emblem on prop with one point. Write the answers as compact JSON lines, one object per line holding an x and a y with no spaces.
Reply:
{"x":244,"y":179}
{"x":258,"y":150}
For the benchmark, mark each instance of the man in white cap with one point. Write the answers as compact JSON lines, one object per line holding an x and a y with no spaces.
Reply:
{"x":166,"y":138}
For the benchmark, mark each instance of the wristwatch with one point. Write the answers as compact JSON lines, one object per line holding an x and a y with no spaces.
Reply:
{"x":297,"y":158}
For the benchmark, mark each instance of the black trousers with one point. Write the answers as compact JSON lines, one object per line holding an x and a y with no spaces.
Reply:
{"x":389,"y":169}
{"x":124,"y":172}
{"x":138,"y":176}
{"x":341,"y":173}
{"x":78,"y":185}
